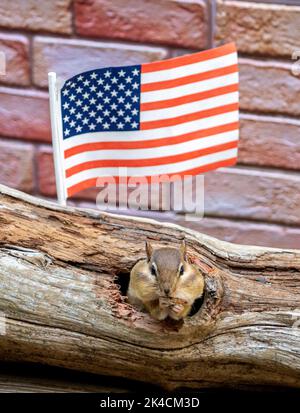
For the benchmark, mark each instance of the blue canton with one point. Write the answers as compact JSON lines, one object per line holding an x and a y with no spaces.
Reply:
{"x":102,"y":100}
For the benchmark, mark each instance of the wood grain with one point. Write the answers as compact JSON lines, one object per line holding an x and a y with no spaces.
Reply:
{"x":63,"y":306}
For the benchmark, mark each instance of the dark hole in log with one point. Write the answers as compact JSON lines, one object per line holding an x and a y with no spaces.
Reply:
{"x":197,"y":306}
{"x":122,"y":280}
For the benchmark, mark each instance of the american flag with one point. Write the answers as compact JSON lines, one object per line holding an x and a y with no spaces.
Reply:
{"x":173,"y":117}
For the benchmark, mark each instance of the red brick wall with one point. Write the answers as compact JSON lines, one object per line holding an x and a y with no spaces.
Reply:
{"x":257,"y":202}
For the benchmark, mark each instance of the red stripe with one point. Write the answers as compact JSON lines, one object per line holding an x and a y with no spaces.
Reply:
{"x":189,"y":59}
{"x":189,"y":117}
{"x":162,"y":104}
{"x":136,"y":163}
{"x":196,"y":171}
{"x":152,"y":143}
{"x":197,"y":77}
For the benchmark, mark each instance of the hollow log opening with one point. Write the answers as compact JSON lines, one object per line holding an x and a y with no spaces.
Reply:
{"x":64,"y":274}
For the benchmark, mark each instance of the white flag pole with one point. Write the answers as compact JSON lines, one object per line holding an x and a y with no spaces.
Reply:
{"x":56,"y":138}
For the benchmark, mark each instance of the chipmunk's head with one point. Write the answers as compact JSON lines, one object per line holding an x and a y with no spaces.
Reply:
{"x":166,"y":266}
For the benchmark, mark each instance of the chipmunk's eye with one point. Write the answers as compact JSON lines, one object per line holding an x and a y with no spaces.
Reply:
{"x":181,"y":270}
{"x":153,"y":270}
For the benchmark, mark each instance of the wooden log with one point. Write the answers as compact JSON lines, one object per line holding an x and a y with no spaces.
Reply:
{"x":62,"y":305}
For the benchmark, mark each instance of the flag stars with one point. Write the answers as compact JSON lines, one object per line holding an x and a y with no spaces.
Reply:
{"x":101,"y":100}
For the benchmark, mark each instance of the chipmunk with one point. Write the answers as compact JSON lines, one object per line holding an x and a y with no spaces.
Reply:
{"x":165,"y":284}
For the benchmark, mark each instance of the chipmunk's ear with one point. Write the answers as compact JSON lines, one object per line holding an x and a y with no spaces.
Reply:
{"x":149,"y":250}
{"x":183,"y":250}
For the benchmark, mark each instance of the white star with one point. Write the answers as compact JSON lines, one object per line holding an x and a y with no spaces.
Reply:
{"x":128,"y":79}
{"x":135,"y":85}
{"x":79,"y":102}
{"x":92,"y":114}
{"x":128,"y":92}
{"x":135,"y":72}
{"x":121,"y":73}
{"x":85,"y":121}
{"x":85,"y":108}
{"x":79,"y":89}
{"x":99,"y":107}
{"x":121,"y":86}
{"x":92,"y":101}
{"x":107,"y":73}
{"x":120,"y":112}
{"x":134,"y":112}
{"x":128,"y":119}
{"x":65,"y":92}
{"x":67,"y":132}
{"x":135,"y":99}
{"x":86,"y":82}
{"x":114,"y":80}
{"x":80,"y":78}
{"x":79,"y":129}
{"x":113,"y":119}
{"x":73,"y":84}
{"x":93,"y":75}
{"x":106,"y":125}
{"x":72,"y":123}
{"x":72,"y":111}
{"x":107,"y":87}
{"x":113,"y":106}
{"x":86,"y":95}
{"x":72,"y":97}
{"x":66,"y":105}
{"x":99,"y":119}
{"x":100,"y":81}
{"x":92,"y":126}
{"x":100,"y":94}
{"x":120,"y":125}
{"x":66,"y":118}
{"x":93,"y":88}
{"x":114,"y":93}
{"x":106,"y":99}
{"x":106,"y":112}
{"x":121,"y":99}
{"x":128,"y":105}
{"x":78,"y":116}
{"x":68,"y":83}
{"x":134,"y":125}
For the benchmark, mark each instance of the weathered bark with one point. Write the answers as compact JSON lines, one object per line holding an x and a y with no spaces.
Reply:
{"x":63,"y":307}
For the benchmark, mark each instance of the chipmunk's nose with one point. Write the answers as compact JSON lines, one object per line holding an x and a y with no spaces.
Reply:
{"x":167,"y":291}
